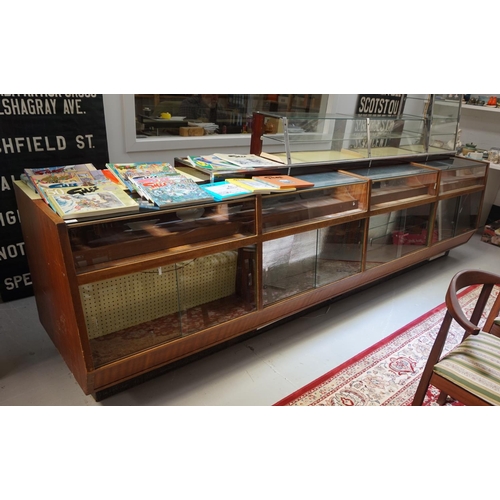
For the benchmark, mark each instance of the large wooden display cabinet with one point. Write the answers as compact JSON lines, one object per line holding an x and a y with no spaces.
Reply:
{"x":129,"y":295}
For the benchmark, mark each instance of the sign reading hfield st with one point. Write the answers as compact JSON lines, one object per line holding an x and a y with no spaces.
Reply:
{"x":40,"y":130}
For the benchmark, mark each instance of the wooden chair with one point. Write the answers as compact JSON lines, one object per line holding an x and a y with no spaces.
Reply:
{"x":470,"y":373}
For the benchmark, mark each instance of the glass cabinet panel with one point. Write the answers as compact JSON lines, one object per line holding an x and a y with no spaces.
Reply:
{"x":445,"y":122}
{"x":289,"y":266}
{"x":424,"y":124}
{"x":304,"y":261}
{"x":340,"y":252}
{"x":135,"y":312}
{"x":394,"y":234}
{"x":95,"y":244}
{"x":342,"y":195}
{"x":457,"y":215}
{"x":313,"y":138}
{"x":392,"y":185}
{"x":459,"y":173}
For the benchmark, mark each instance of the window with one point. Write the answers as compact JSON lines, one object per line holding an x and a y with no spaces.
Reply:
{"x":163,"y":114}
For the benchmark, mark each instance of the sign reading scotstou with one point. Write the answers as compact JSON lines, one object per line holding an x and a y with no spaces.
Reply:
{"x":40,"y":130}
{"x":380,"y":104}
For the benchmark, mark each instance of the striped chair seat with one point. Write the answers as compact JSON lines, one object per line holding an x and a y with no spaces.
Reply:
{"x":475,"y":366}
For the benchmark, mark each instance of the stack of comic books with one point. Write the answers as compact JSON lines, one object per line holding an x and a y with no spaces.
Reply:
{"x":80,"y":191}
{"x":159,"y":184}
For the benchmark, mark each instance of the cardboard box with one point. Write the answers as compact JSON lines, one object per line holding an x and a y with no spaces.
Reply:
{"x":191,"y":131}
{"x":491,"y":233}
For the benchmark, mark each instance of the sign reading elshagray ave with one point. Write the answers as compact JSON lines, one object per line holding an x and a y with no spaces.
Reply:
{"x":40,"y":130}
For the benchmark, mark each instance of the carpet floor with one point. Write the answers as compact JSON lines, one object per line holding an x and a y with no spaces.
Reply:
{"x":388,"y":373}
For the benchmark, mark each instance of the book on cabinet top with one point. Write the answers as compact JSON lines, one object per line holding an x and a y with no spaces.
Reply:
{"x":84,"y":174}
{"x":79,"y":202}
{"x":255,"y":186}
{"x":111,"y":176}
{"x":128,"y":171}
{"x":247,"y":160}
{"x":211,"y":162}
{"x":170,"y":190}
{"x":284,"y":182}
{"x":221,"y":191}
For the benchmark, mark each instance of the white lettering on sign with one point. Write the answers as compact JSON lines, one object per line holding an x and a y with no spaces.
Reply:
{"x":18,"y":281}
{"x":42,"y":104}
{"x":10,"y":145}
{"x":12,"y":251}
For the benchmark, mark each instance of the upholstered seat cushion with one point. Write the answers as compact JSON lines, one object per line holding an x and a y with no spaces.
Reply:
{"x":475,"y":366}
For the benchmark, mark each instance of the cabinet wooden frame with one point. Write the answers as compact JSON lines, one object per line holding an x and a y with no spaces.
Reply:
{"x":57,"y":282}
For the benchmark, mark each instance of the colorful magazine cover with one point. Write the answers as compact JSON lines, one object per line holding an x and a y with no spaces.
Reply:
{"x":225,"y":190}
{"x":254,"y":185}
{"x":44,"y":178}
{"x":128,"y":171}
{"x":211,"y":162}
{"x":171,"y":190}
{"x":76,"y":202}
{"x":284,"y":182}
{"x":247,"y":160}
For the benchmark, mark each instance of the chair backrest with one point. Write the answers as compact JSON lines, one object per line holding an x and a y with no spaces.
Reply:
{"x":465,"y":279}
{"x":472,"y":326}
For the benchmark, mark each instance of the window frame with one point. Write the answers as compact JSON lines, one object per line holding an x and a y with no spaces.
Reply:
{"x":133,"y":144}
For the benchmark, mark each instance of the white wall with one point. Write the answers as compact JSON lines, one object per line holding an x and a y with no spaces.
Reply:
{"x":481,"y":126}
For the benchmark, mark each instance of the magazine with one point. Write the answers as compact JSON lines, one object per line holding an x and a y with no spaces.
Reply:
{"x":223,"y":190}
{"x":170,"y":190}
{"x":43,"y":178}
{"x":247,"y":161}
{"x":211,"y":162}
{"x":284,"y":182}
{"x":127,"y":171}
{"x":77,"y":202}
{"x":254,"y":185}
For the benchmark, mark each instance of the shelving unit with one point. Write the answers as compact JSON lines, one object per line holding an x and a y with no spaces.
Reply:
{"x":481,"y":108}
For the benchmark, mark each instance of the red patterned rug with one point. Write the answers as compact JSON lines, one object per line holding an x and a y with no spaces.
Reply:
{"x":386,"y":374}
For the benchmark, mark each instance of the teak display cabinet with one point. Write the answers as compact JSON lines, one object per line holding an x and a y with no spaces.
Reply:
{"x":126,"y":295}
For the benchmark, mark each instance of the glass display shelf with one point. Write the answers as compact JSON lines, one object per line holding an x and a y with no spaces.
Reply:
{"x":334,"y":195}
{"x":458,"y":215}
{"x":396,"y":184}
{"x":395,"y":234}
{"x":459,"y":173}
{"x":310,"y":138}
{"x":444,"y":125}
{"x":305,"y":261}
{"x":142,"y":310}
{"x":100,"y":243}
{"x":430,"y":127}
